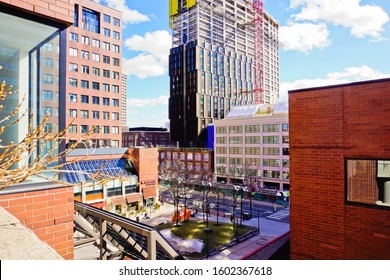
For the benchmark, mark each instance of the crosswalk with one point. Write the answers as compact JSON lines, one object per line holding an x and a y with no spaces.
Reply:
{"x":280,"y":214}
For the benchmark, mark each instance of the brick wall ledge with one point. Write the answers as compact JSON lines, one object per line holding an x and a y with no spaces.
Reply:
{"x":20,"y":243}
{"x":30,"y":187}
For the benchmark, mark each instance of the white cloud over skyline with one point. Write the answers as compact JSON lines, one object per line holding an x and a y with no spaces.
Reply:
{"x":146,"y":102}
{"x":129,"y":16}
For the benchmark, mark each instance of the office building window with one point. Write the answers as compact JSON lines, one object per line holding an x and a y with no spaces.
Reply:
{"x":106,"y":101}
{"x":84,"y":114}
{"x":116,"y":35}
{"x":72,"y":128}
{"x":117,"y":21}
{"x":48,"y":62}
{"x":85,"y":40}
{"x":106,"y":73}
{"x":106,"y":46}
{"x":72,"y":97}
{"x":252,"y":128}
{"x":106,"y":129}
{"x":285,"y":127}
{"x":84,"y":84}
{"x":271,"y":128}
{"x":73,"y":37}
{"x":47,"y":95}
{"x":115,"y":130}
{"x":73,"y":113}
{"x":116,"y":61}
{"x":84,"y":128}
{"x":115,"y":89}
{"x":47,"y":111}
{"x":115,"y":116}
{"x":106,"y":59}
{"x":107,"y":18}
{"x":116,"y":48}
{"x":115,"y":102}
{"x":106,"y":32}
{"x":95,"y":100}
{"x":72,"y":82}
{"x":106,"y":87}
{"x":73,"y":52}
{"x":95,"y":57}
{"x":95,"y":71}
{"x":73,"y":67}
{"x":85,"y":54}
{"x":115,"y":75}
{"x":95,"y":85}
{"x":47,"y":79}
{"x":90,"y":20}
{"x":84,"y":69}
{"x":106,"y":115}
{"x":96,"y":43}
{"x":115,"y":143}
{"x":95,"y":115}
{"x":84,"y":99}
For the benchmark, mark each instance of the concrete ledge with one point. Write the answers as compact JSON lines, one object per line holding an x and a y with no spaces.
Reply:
{"x":20,"y":243}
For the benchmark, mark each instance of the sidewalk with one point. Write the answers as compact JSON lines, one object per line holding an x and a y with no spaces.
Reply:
{"x":269,"y":230}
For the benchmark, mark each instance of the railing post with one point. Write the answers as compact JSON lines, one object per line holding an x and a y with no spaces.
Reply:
{"x":152,"y":245}
{"x":103,"y":243}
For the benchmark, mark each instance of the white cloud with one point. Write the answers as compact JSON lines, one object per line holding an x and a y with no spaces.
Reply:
{"x":348,"y":75}
{"x":129,"y":16}
{"x":144,"y":66}
{"x":146,"y":102}
{"x":304,"y":37}
{"x":153,"y":60}
{"x":363,"y":20}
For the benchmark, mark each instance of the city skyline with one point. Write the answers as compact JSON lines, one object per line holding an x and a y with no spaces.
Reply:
{"x":322,"y":43}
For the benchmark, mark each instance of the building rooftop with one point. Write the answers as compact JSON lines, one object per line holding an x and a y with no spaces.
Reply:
{"x":257,"y":110}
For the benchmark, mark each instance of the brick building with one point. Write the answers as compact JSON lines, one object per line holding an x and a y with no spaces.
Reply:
{"x":146,"y":137}
{"x":340,"y":171}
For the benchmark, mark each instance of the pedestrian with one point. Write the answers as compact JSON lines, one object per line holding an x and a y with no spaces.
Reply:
{"x":231,"y":218}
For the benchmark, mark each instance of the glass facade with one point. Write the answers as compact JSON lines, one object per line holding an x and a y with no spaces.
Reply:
{"x":28,"y":51}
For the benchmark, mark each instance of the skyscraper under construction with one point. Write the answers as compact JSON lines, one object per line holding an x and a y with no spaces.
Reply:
{"x":224,"y":53}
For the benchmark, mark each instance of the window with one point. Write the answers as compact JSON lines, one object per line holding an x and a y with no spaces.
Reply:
{"x":115,"y":116}
{"x":115,"y":130}
{"x":48,"y":111}
{"x":235,"y":140}
{"x":368,"y":181}
{"x":106,"y":32}
{"x":47,"y":79}
{"x":106,"y":73}
{"x":286,"y":163}
{"x":106,"y":59}
{"x":286,"y":151}
{"x":84,"y":69}
{"x":96,"y":129}
{"x":72,"y":97}
{"x":96,"y":57}
{"x":252,"y":150}
{"x":72,"y":128}
{"x":252,"y":128}
{"x":73,"y":67}
{"x":116,"y":35}
{"x":84,"y":128}
{"x":90,"y":20}
{"x":106,"y":129}
{"x":73,"y":52}
{"x":235,"y":129}
{"x":73,"y":37}
{"x":96,"y":43}
{"x":84,"y":114}
{"x":85,"y":54}
{"x":116,"y":22}
{"x":48,"y":62}
{"x":95,"y":115}
{"x":106,"y":46}
{"x":285,"y":139}
{"x":271,"y":139}
{"x":106,"y":87}
{"x":47,"y":95}
{"x":106,"y":101}
{"x":95,"y":100}
{"x":84,"y":84}
{"x":116,"y":48}
{"x":84,"y":99}
{"x":285,"y":127}
{"x":271,"y":162}
{"x":221,"y":130}
{"x":271,"y":151}
{"x":270,"y":128}
{"x":85,"y":40}
{"x":107,"y":18}
{"x":115,"y":75}
{"x":236,"y":150}
{"x":271,"y":174}
{"x":115,"y":102}
{"x":72,"y":113}
{"x":116,"y":61}
{"x":95,"y":85}
{"x":115,"y":89}
{"x":72,"y":82}
{"x":115,"y":143}
{"x":106,"y":115}
{"x":95,"y":71}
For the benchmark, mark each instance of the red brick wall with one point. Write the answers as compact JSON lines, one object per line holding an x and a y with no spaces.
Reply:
{"x":60,"y":10}
{"x":328,"y":125}
{"x":49,"y":213}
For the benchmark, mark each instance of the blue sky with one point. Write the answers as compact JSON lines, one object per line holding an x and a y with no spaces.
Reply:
{"x":322,"y":42}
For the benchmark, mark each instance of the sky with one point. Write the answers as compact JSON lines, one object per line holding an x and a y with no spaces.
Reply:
{"x":322,"y":42}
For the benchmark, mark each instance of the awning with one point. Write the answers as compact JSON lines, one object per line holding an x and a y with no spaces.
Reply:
{"x":118,"y":200}
{"x":150,"y":191}
{"x":133,"y":197}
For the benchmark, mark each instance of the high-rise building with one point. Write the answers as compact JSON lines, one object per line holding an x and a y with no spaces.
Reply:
{"x":94,"y":73}
{"x":213,"y":63}
{"x":124,"y":99}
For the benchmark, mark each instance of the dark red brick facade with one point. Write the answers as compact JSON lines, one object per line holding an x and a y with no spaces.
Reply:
{"x":327,"y":126}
